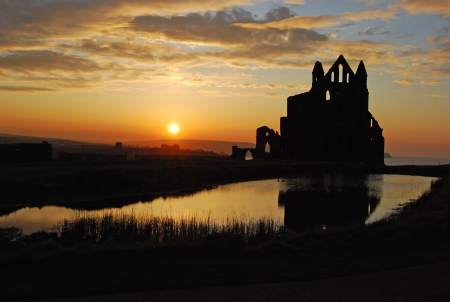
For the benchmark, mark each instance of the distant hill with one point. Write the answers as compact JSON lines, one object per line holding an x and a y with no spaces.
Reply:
{"x":193,"y":144}
{"x":56,"y":142}
{"x":207,"y":145}
{"x":387,"y":155}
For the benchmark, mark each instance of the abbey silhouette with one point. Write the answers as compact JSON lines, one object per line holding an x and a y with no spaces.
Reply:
{"x":331,"y":122}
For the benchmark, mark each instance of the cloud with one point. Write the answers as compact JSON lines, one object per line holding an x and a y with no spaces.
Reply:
{"x":27,"y":23}
{"x":376,"y":30}
{"x":24,"y":89}
{"x":431,"y":82}
{"x":437,"y":95}
{"x":404,"y":81}
{"x":311,"y":22}
{"x":219,"y":28}
{"x":437,"y":7}
{"x":25,"y":61}
{"x":131,"y":49}
{"x":263,"y":94}
{"x":55,"y":71}
{"x":197,"y":81}
{"x":297,"y":2}
{"x":302,"y":22}
{"x":70,"y":44}
{"x":442,"y":41}
{"x":279,"y":13}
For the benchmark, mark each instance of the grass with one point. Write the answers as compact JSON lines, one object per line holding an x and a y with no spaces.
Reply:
{"x":126,"y":228}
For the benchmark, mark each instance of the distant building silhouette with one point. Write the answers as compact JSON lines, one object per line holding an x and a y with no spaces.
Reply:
{"x":25,"y":152}
{"x":331,"y":122}
{"x":167,"y":148}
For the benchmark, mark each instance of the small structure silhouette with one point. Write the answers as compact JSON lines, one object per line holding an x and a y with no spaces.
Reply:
{"x":264,"y":136}
{"x":331,"y":122}
{"x":26,"y":152}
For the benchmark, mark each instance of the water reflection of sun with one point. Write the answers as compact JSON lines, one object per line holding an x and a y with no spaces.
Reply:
{"x":173,"y":128}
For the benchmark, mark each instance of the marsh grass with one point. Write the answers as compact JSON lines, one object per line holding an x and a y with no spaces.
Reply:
{"x":142,"y":252}
{"x":121,"y":227}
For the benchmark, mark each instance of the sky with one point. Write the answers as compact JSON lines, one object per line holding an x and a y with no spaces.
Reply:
{"x":121,"y":70}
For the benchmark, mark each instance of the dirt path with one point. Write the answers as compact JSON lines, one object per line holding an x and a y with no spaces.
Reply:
{"x":395,"y":285}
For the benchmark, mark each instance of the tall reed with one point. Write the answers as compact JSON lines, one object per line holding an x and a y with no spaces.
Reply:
{"x":131,"y":227}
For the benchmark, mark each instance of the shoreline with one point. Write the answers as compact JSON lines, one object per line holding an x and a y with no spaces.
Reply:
{"x":76,"y":184}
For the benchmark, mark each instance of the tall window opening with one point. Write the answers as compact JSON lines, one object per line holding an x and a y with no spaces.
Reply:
{"x":248,"y":155}
{"x":348,"y":78}
{"x":332,"y":76}
{"x":328,"y":95}
{"x":341,"y":73}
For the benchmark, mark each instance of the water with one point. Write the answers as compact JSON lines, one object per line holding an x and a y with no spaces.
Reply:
{"x":303,"y":202}
{"x":419,"y":161}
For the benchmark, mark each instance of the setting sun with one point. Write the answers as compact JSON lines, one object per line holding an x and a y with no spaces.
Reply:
{"x":173,"y":128}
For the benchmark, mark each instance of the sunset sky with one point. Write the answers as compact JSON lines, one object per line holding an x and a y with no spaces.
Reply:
{"x":120,"y":70}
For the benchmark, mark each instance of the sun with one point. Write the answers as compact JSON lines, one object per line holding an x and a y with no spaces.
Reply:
{"x":173,"y":128}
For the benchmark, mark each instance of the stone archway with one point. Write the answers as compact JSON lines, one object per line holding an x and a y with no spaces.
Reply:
{"x":265,"y":135}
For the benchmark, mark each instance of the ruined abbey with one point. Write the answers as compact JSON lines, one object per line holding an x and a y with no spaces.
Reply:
{"x":331,"y":122}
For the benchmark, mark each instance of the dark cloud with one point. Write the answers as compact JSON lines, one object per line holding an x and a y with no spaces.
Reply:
{"x":376,"y":30}
{"x":217,"y":28}
{"x":25,"y":89}
{"x":304,"y":35}
{"x":34,"y":60}
{"x":28,"y":22}
{"x":279,"y":13}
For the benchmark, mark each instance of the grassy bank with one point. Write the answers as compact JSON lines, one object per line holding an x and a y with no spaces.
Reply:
{"x":71,"y":262}
{"x":94,"y":184}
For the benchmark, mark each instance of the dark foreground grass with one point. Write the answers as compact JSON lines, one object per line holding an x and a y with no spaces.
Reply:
{"x":75,"y":260}
{"x":147,"y":227}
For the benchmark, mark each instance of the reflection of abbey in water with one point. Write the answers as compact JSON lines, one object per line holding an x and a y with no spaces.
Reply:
{"x":328,"y":201}
{"x":331,"y":122}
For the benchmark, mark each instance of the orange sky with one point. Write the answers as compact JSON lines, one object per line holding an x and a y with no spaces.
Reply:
{"x":124,"y":70}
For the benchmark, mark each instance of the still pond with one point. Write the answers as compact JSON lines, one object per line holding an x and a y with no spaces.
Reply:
{"x":300,"y":202}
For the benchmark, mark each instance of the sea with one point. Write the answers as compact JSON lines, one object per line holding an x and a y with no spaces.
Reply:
{"x":402,"y":161}
{"x":418,"y":161}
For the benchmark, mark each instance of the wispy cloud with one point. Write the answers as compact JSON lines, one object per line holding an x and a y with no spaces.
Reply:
{"x":431,"y":82}
{"x":438,"y":7}
{"x":437,"y":95}
{"x":404,"y":81}
{"x":24,"y":89}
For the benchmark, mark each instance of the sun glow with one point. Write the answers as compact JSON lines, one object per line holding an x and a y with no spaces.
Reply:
{"x":173,"y":128}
